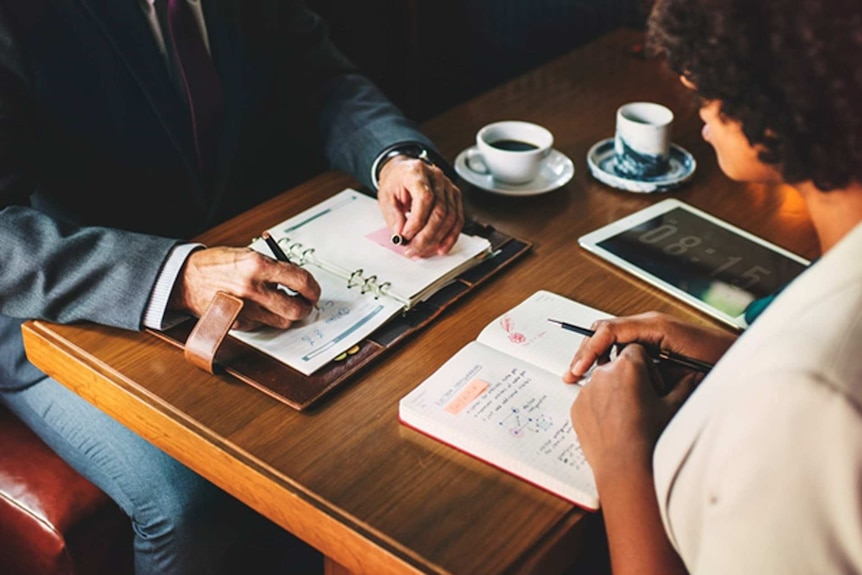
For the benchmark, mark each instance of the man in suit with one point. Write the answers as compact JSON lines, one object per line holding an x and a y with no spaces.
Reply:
{"x":109,"y":161}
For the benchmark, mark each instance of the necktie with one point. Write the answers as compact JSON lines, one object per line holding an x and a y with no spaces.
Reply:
{"x":200,"y":81}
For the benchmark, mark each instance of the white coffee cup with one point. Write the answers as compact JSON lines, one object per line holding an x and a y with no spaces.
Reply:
{"x":510,"y":152}
{"x":642,"y":139}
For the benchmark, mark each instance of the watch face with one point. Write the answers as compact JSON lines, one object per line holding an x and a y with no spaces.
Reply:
{"x":717,"y":266}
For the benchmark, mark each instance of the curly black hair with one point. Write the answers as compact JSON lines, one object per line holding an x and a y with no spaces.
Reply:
{"x":790,"y":71}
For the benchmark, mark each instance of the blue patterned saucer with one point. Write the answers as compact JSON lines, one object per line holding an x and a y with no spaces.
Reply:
{"x":602,"y":163}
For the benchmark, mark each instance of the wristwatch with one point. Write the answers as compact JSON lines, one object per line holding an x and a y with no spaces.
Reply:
{"x":411,"y":150}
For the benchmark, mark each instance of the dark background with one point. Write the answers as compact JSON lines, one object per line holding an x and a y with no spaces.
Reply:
{"x":428,"y":55}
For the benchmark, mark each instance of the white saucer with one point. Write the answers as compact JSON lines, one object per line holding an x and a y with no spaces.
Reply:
{"x":602,"y":164}
{"x":556,"y":171}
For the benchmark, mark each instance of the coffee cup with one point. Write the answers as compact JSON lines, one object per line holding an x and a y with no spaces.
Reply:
{"x":510,"y":152}
{"x":642,"y":140}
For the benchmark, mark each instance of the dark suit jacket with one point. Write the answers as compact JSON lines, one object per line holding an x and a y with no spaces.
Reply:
{"x":98,"y":177}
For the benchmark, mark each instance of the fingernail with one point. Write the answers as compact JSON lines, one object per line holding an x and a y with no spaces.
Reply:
{"x":580,"y":366}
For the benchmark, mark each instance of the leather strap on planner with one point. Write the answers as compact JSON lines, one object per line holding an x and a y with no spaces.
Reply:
{"x":210,"y":330}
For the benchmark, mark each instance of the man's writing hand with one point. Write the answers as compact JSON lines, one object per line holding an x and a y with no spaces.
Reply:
{"x":252,"y":276}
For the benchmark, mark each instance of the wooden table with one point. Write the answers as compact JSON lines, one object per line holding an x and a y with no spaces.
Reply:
{"x":346,"y":477}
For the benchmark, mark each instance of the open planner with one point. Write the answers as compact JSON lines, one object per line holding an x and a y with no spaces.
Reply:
{"x":501,"y":398}
{"x":365,"y":279}
{"x":372,"y":296}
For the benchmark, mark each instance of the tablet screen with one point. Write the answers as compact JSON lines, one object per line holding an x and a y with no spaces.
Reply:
{"x":723,"y":269}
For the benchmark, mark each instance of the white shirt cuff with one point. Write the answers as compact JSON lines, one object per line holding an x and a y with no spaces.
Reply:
{"x":156,"y":315}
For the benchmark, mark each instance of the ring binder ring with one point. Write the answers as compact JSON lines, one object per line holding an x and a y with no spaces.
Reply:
{"x":370,"y":285}
{"x":382,"y":288}
{"x":304,"y":256}
{"x":351,"y":281}
{"x":294,"y":249}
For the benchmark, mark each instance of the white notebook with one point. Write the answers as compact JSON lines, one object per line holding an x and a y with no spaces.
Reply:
{"x":365,"y":279}
{"x":502,"y":399}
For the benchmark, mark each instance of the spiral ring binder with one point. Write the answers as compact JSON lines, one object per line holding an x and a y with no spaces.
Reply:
{"x":300,"y":255}
{"x":296,"y":253}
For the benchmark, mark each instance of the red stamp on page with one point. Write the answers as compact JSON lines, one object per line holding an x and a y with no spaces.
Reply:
{"x":509,"y":326}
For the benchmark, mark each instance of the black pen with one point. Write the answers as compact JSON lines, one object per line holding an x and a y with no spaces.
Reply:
{"x":659,"y":354}
{"x":275,"y":248}
{"x":282,"y":257}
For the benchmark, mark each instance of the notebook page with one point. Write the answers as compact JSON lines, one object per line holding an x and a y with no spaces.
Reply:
{"x":524,"y":331}
{"x":508,"y":413}
{"x":347,"y":233}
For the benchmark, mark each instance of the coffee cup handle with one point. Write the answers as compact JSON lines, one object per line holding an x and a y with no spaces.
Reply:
{"x":476,"y":163}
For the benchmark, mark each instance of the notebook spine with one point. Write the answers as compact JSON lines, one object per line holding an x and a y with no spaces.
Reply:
{"x":367,"y":284}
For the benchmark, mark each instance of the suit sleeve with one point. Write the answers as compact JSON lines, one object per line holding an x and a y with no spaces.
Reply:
{"x":50,"y":268}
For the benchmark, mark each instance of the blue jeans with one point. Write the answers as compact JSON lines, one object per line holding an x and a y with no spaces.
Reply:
{"x":182,"y":524}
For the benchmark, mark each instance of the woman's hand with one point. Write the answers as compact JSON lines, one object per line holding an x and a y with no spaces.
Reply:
{"x":654,"y":331}
{"x":619,"y":414}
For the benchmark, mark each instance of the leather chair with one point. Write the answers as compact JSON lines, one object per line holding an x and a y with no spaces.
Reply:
{"x":52,"y":520}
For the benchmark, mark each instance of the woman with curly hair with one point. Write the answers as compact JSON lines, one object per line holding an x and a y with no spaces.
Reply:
{"x":758,"y":470}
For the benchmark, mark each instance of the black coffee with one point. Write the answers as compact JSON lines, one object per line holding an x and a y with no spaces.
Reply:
{"x":514,"y":145}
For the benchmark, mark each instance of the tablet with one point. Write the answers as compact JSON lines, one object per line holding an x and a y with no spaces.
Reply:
{"x":703,"y":260}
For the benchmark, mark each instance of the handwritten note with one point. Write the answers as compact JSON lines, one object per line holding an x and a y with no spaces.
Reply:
{"x":501,"y":398}
{"x":512,"y":404}
{"x":506,"y":412}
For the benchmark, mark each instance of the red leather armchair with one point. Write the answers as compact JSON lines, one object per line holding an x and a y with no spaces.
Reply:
{"x":52,"y":520}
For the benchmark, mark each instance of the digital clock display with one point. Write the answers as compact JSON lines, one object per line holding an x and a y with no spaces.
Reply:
{"x":715,"y":265}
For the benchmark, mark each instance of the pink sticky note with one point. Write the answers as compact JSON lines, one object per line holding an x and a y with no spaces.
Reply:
{"x":383,"y":237}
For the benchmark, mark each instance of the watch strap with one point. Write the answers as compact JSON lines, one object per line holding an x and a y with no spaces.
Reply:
{"x":412,"y":150}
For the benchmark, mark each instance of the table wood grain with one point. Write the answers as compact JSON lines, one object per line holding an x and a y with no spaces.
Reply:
{"x":374,"y":496}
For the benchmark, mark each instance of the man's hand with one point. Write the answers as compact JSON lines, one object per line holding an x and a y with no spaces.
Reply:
{"x":421,"y":204}
{"x":252,"y":276}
